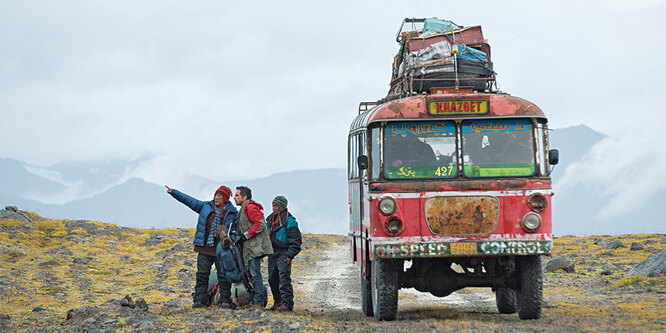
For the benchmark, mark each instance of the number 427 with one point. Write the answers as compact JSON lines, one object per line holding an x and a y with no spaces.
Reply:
{"x":444,"y":171}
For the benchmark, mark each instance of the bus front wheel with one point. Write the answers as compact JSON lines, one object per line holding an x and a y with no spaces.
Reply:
{"x":530,"y":287}
{"x":385,"y":287}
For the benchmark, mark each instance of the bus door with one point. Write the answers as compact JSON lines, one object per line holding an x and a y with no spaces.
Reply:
{"x":357,"y":147}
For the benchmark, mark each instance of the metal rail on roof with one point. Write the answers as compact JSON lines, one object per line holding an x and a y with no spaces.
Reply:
{"x":365,"y":106}
{"x":407,"y":20}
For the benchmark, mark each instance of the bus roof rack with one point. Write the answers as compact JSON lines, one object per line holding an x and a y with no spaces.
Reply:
{"x":413,"y":21}
{"x":365,"y":106}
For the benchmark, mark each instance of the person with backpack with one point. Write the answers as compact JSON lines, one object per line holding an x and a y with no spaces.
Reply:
{"x":286,"y":241}
{"x":212,"y":214}
{"x":228,"y":265}
{"x":252,"y":229}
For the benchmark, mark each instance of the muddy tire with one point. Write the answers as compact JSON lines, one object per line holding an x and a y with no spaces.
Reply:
{"x":530,"y":287}
{"x":385,"y":287}
{"x":366,"y":295}
{"x":506,"y":300}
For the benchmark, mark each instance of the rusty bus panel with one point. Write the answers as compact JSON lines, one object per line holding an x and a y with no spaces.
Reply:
{"x":417,"y":107}
{"x":462,"y":216}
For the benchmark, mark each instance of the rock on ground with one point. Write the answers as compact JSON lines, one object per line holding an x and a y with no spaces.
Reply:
{"x":5,"y":323}
{"x":614,"y":245}
{"x":560,"y":263}
{"x":636,"y":246}
{"x":652,"y":266}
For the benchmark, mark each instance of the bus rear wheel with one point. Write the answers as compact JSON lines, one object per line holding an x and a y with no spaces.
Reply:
{"x":530,"y":287}
{"x":506,"y":300}
{"x":385,"y":287}
{"x":366,"y":295}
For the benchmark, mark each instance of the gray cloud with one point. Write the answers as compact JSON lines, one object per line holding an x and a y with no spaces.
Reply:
{"x":242,"y":90}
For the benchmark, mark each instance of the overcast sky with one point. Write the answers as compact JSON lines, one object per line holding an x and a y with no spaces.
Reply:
{"x":245,"y":89}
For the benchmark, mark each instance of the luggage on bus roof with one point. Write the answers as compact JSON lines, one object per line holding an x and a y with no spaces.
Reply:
{"x":426,"y":60}
{"x":435,"y":24}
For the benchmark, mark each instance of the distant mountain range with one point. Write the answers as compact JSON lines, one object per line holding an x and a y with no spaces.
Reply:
{"x":106,"y":191}
{"x":317,"y":198}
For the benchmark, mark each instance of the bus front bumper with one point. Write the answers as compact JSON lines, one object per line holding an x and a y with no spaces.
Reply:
{"x":484,"y":248}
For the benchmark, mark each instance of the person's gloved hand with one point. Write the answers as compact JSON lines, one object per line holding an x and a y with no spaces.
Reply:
{"x":221,"y":230}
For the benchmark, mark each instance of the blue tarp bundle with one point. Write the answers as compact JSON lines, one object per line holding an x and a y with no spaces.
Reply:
{"x":435,"y":24}
{"x":471,"y":54}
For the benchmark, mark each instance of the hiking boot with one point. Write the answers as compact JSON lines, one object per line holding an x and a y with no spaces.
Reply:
{"x":257,"y":307}
{"x":284,"y":307}
{"x":275,"y":306}
{"x":198,"y":305}
{"x":226,"y":306}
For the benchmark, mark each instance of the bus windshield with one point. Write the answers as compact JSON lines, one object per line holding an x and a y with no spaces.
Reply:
{"x":498,"y":148}
{"x":420,"y":150}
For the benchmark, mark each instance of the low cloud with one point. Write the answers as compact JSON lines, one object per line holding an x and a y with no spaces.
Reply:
{"x":627,"y":170}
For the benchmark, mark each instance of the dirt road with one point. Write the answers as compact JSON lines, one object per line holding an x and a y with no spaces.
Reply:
{"x":335,"y":284}
{"x":330,"y":290}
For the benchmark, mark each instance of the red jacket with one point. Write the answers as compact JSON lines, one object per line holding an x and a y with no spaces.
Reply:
{"x":253,"y":212}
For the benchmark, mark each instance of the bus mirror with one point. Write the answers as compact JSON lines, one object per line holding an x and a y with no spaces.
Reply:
{"x":362,"y":162}
{"x":553,"y":156}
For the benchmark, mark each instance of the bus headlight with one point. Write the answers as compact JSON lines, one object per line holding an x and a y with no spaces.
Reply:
{"x":531,"y":221}
{"x":537,"y":202}
{"x":387,"y":205}
{"x":393,"y":226}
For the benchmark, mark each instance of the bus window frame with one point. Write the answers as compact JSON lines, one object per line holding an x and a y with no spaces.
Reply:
{"x":357,"y":146}
{"x":540,"y":152}
{"x":458,"y":142}
{"x":351,"y":152}
{"x":534,"y":148}
{"x":459,"y":150}
{"x":378,"y":161}
{"x":362,"y":150}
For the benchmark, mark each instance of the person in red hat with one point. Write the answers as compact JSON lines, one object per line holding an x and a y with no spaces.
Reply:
{"x":212,"y":214}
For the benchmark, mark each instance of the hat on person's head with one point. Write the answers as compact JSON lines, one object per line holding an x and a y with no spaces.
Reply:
{"x":225,"y":191}
{"x":280,"y":201}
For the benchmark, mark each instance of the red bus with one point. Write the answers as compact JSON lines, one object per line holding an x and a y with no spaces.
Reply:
{"x":449,"y":190}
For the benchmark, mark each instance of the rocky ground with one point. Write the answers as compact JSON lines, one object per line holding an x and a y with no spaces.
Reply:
{"x":62,"y":275}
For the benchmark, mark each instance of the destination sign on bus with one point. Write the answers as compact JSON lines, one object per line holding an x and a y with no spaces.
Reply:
{"x":458,"y":107}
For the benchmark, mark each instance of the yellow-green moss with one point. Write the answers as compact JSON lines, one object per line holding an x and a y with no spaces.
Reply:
{"x":170,"y":231}
{"x":79,"y":231}
{"x":10,"y":223}
{"x":60,"y":233}
{"x":49,"y":225}
{"x":97,"y":223}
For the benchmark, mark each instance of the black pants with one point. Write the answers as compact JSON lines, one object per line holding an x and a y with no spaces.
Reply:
{"x":279,"y":278}
{"x":204,"y":264}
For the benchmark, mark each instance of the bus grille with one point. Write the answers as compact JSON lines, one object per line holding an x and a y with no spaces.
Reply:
{"x":463,"y":216}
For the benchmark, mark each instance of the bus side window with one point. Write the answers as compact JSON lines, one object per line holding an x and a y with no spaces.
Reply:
{"x":353,"y":149}
{"x":363,"y":150}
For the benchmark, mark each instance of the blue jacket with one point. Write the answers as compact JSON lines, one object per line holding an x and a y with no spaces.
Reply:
{"x":227,"y":264}
{"x":205,"y":208}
